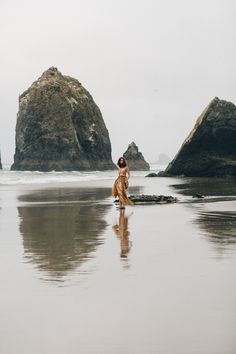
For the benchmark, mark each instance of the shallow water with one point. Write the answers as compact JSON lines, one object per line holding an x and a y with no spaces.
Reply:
{"x":79,"y":276}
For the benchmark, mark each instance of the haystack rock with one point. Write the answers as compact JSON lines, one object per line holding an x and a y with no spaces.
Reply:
{"x":60,"y":127}
{"x":135,"y":159}
{"x":210,"y":148}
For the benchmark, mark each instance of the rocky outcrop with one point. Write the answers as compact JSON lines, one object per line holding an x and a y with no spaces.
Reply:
{"x":135,"y":159}
{"x":152,"y":174}
{"x":210,"y":148}
{"x":151,"y":199}
{"x":0,"y":163}
{"x":60,"y":127}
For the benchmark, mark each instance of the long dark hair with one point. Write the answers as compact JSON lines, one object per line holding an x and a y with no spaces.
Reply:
{"x":122,"y":163}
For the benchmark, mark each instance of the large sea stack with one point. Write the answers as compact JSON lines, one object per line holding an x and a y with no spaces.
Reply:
{"x":60,"y":127}
{"x":210,"y":148}
{"x":135,"y":159}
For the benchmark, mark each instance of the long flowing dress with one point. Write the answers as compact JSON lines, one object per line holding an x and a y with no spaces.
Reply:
{"x":119,"y":190}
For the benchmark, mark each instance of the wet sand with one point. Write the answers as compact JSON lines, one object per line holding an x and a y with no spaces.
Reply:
{"x":77,"y":275}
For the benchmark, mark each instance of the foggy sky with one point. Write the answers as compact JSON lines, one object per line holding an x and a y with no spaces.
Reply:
{"x":151,"y":66}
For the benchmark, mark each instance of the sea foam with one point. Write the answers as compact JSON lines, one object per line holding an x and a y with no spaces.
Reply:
{"x":8,"y":177}
{"x":27,"y":177}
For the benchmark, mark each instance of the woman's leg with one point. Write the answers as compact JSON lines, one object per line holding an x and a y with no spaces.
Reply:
{"x":121,"y":205}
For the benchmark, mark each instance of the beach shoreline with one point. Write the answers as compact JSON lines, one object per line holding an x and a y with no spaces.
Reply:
{"x":161,"y":277}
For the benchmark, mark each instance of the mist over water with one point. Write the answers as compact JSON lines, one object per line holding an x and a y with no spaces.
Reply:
{"x":149,"y":65}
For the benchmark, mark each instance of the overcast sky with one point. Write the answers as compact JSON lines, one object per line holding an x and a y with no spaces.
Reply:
{"x":151,"y":66}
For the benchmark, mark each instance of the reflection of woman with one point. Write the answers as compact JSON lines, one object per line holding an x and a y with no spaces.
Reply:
{"x":122,"y":233}
{"x":121,"y":183}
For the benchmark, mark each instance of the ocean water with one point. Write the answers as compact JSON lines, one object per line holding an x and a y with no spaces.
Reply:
{"x":8,"y":177}
{"x":78,"y":275}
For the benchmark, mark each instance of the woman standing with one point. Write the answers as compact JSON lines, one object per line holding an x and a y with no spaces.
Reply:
{"x":121,"y":184}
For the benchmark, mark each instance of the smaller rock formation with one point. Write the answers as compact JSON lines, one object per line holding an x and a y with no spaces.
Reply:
{"x":135,"y":159}
{"x":0,"y":163}
{"x":210,"y":148}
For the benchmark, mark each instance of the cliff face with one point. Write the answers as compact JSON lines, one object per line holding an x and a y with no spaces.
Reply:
{"x":59,"y":127}
{"x":210,"y":148}
{"x":135,"y":159}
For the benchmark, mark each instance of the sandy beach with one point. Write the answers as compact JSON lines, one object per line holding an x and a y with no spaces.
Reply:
{"x":79,"y":276}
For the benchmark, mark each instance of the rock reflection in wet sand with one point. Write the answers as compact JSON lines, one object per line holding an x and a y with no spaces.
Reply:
{"x":59,"y":238}
{"x":219,"y":227}
{"x":206,"y":186}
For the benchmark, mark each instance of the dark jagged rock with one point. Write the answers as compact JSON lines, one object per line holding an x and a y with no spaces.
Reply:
{"x":135,"y":159}
{"x":60,"y":127}
{"x":210,"y":148}
{"x":198,"y":195}
{"x":152,"y":174}
{"x":151,"y":199}
{"x":0,"y":163}
{"x":145,"y":198}
{"x":162,"y":174}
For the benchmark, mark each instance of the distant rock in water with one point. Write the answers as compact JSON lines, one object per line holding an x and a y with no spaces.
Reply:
{"x":163,"y":159}
{"x":0,"y":163}
{"x":152,"y":174}
{"x":210,"y":148}
{"x":60,"y":127}
{"x":135,"y":159}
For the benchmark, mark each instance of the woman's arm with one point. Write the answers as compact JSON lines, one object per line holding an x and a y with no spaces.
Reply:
{"x":128,"y":171}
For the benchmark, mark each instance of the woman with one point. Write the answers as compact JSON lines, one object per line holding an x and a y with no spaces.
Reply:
{"x":121,"y":184}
